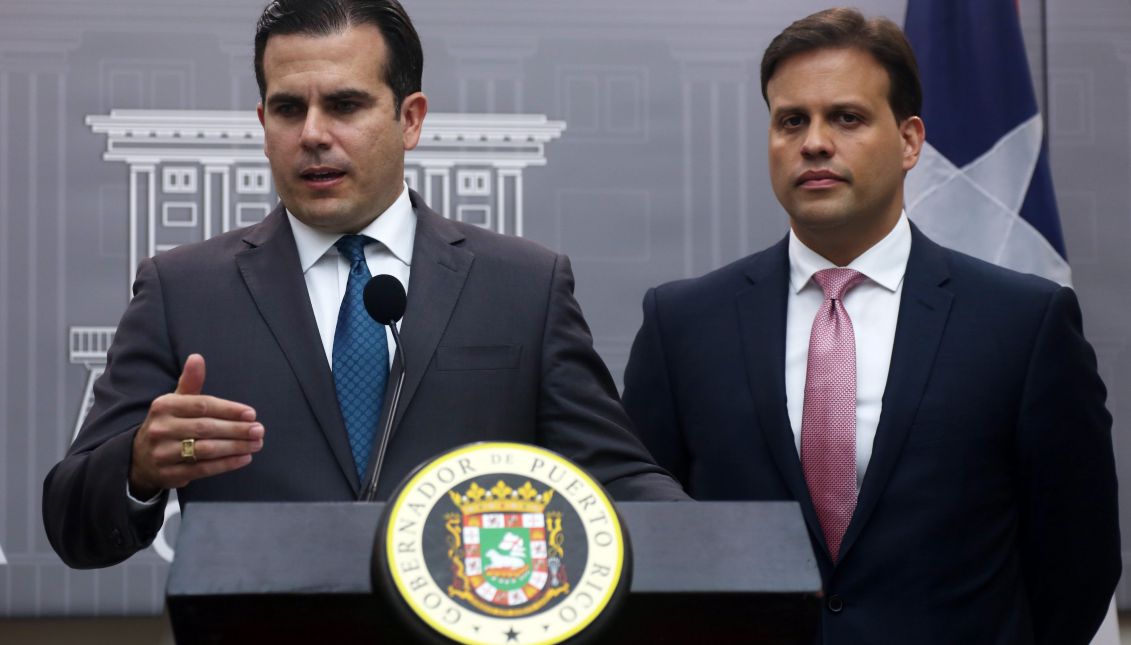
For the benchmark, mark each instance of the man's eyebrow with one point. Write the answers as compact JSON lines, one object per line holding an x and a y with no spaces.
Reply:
{"x":842,"y":106}
{"x":850,"y":106}
{"x":787,"y":109}
{"x":349,"y":95}
{"x":283,"y":97}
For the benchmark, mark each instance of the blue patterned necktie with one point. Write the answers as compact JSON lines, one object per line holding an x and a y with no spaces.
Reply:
{"x":361,"y":356}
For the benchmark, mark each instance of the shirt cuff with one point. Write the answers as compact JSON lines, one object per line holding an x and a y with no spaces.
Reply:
{"x":137,"y":505}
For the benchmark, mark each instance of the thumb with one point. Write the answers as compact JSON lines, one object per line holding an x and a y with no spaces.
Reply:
{"x":192,"y":377}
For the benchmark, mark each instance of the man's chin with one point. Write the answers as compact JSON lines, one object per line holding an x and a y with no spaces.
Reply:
{"x":812,"y":217}
{"x":326,"y":218}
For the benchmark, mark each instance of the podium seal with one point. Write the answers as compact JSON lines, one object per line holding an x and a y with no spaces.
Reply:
{"x":502,"y":543}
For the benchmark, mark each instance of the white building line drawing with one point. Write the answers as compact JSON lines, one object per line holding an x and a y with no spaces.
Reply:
{"x":197,"y":173}
{"x":88,"y":346}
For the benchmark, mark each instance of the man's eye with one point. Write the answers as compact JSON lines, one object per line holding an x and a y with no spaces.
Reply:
{"x":286,"y":109}
{"x":346,"y":107}
{"x":849,"y":119}
{"x":793,"y":121}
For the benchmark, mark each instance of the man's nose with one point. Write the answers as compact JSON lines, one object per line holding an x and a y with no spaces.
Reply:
{"x":818,"y":141}
{"x":315,"y":130}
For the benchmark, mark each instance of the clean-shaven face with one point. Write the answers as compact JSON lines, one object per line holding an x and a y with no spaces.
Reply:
{"x":837,"y":155}
{"x":331,"y":132}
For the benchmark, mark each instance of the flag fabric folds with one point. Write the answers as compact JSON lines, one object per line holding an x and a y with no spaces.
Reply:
{"x":982,"y":185}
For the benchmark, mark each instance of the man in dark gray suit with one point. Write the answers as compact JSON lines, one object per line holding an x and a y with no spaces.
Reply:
{"x":494,"y":344}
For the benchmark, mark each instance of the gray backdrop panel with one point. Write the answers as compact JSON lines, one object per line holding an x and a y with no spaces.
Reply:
{"x":660,"y":173}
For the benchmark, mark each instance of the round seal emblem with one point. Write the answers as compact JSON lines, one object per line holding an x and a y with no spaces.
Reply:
{"x":503,"y":543}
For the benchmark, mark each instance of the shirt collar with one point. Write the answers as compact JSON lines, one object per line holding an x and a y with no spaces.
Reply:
{"x":884,"y":263}
{"x":395,"y":229}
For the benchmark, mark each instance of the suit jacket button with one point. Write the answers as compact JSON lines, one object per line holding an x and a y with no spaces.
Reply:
{"x":835,"y":604}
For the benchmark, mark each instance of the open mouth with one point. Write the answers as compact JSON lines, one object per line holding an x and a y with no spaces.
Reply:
{"x":322,"y":176}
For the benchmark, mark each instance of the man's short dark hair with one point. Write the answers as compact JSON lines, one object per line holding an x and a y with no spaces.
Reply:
{"x":404,"y":64}
{"x":849,"y":29}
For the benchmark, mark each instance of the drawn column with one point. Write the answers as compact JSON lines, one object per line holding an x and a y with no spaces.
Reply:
{"x":438,"y":186}
{"x":716,"y":86}
{"x":34,"y":222}
{"x":244,"y":93}
{"x":509,"y":199}
{"x":143,"y":203}
{"x":491,"y":75}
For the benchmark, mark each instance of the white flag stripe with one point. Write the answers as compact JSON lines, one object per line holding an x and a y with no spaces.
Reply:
{"x":1006,"y":170}
{"x":960,"y":212}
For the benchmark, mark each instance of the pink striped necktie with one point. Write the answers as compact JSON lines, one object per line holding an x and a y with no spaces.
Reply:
{"x":828,"y":418}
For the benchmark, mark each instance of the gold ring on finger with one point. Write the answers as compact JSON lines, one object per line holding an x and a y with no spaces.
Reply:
{"x":188,"y":450}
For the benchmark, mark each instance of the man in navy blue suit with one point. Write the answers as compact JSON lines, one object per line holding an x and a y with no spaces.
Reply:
{"x":939,"y":419}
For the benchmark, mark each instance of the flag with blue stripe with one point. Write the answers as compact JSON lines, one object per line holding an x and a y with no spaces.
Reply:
{"x":982,"y":185}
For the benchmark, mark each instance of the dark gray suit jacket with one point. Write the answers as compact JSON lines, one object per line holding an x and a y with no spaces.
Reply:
{"x":988,"y":510}
{"x":496,"y":345}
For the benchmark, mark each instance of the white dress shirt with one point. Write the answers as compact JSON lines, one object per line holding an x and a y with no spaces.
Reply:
{"x":873,"y":306}
{"x":327,"y":271}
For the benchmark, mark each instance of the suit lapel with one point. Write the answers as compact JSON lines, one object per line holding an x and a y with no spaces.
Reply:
{"x":762,"y":313}
{"x":273,"y":275}
{"x":439,"y":270}
{"x":923,"y":311}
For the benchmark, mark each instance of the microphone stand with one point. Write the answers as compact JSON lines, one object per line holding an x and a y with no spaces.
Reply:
{"x":370,"y":490}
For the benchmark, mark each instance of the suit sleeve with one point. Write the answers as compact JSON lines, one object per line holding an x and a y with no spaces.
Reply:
{"x":579,"y":412}
{"x":86,"y":511}
{"x":648,"y":395}
{"x":1069,"y":516}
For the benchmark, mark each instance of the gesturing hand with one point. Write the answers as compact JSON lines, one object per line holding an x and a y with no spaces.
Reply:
{"x":224,"y":435}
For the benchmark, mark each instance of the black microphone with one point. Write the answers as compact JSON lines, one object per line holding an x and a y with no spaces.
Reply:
{"x":385,"y":300}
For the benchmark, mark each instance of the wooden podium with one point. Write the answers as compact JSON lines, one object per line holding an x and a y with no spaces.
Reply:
{"x":300,"y":573}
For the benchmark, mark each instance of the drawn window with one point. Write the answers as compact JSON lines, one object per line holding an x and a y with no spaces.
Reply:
{"x":253,"y":181}
{"x":249,"y":213}
{"x":473,"y":183}
{"x":178,"y":214}
{"x":178,"y":179}
{"x":477,"y":214}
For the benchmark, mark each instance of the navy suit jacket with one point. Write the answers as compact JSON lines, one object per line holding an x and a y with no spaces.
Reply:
{"x":988,"y":510}
{"x":496,"y":347}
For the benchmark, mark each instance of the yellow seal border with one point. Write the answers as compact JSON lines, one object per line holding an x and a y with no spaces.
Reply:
{"x":396,"y":506}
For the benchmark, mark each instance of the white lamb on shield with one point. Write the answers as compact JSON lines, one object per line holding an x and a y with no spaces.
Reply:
{"x":513,"y":563}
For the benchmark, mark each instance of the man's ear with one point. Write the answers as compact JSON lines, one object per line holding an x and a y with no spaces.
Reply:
{"x":914,"y":134}
{"x":414,"y":108}
{"x":259,"y":113}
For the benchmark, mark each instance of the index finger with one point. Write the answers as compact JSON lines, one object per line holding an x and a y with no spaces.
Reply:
{"x":204,"y":406}
{"x":233,"y":434}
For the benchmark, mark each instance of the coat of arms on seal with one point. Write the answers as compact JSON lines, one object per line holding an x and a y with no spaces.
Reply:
{"x":495,"y":543}
{"x":507,"y":552}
